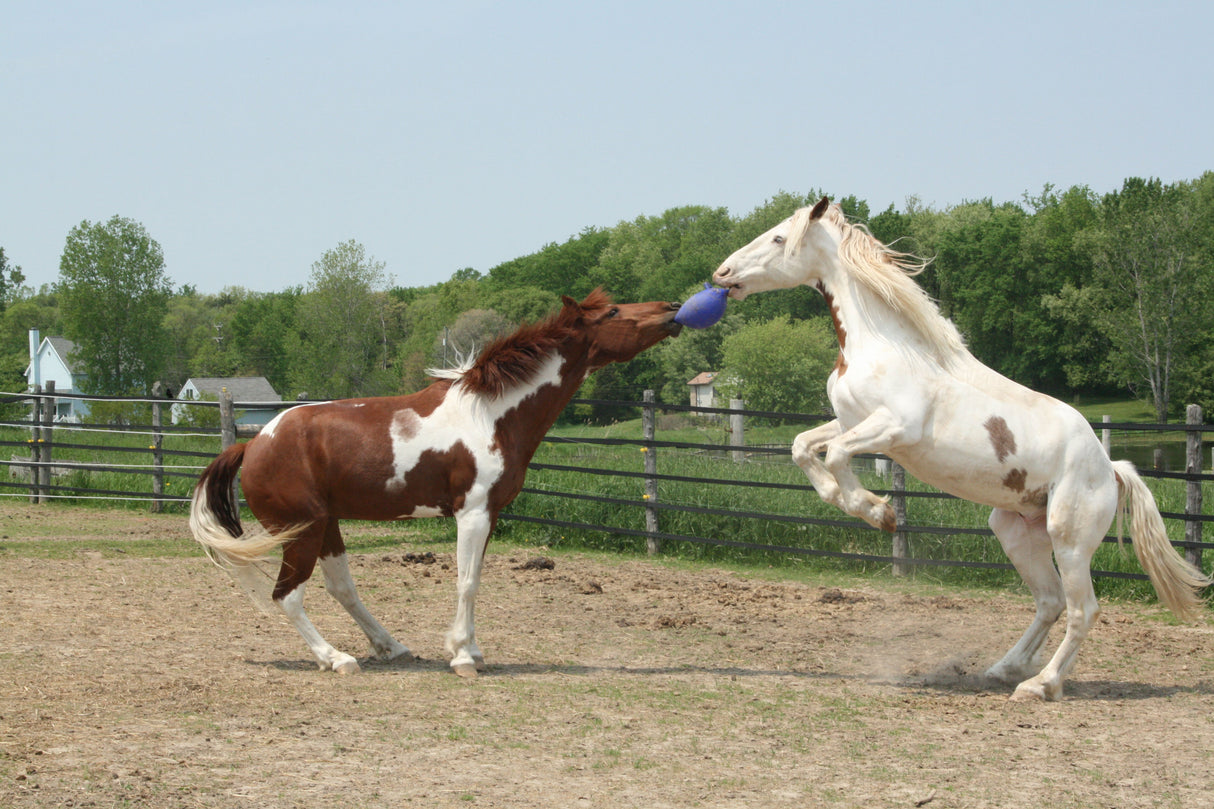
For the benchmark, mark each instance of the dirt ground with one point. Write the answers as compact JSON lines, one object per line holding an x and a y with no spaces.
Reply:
{"x":135,"y":681}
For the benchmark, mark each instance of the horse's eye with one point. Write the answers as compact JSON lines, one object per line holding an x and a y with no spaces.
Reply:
{"x":778,"y":240}
{"x":615,"y":310}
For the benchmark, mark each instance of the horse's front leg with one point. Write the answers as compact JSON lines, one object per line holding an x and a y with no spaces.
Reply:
{"x":473,"y":527}
{"x":806,"y":451}
{"x":877,"y":433}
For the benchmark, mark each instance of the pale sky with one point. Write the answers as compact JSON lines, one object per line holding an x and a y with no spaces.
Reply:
{"x":250,"y":137}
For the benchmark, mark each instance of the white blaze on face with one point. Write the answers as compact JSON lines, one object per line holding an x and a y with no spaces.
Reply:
{"x":461,"y":419}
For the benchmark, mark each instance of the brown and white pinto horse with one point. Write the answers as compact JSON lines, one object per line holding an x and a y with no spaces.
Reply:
{"x":459,"y":448}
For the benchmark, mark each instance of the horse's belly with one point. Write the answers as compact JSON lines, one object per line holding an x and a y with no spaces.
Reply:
{"x":1011,"y":487}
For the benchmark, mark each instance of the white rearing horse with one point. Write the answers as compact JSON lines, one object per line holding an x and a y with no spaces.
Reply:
{"x":904,"y":385}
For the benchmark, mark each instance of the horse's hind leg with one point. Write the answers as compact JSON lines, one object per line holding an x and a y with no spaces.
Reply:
{"x":1027,"y":545}
{"x":1077,"y":520}
{"x":340,"y":584}
{"x":298,"y":562}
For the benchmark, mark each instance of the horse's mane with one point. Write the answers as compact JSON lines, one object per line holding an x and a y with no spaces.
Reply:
{"x":510,"y":361}
{"x":886,"y":272}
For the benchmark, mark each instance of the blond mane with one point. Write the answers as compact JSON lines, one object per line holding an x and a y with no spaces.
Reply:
{"x":887,"y":273}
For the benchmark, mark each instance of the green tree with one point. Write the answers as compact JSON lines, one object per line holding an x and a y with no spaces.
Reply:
{"x":1153,"y":286}
{"x":780,"y":365}
{"x":340,"y":346}
{"x":259,"y":333}
{"x":112,"y":293}
{"x":11,"y":279}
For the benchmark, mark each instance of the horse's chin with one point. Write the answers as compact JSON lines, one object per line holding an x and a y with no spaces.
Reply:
{"x":737,"y":293}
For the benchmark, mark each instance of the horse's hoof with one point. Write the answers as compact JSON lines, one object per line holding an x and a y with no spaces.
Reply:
{"x":347,"y":667}
{"x":1029,"y":691}
{"x":465,"y":670}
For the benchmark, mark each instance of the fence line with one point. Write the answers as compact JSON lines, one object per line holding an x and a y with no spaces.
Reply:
{"x":40,"y":468}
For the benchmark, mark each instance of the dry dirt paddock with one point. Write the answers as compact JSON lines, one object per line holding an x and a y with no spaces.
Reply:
{"x":129,"y":679}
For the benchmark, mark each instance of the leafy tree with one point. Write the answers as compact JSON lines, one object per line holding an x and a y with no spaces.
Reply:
{"x":1060,"y":351}
{"x":11,"y":279}
{"x":470,"y":333}
{"x":112,"y":293}
{"x":780,"y":365}
{"x":339,"y":348}
{"x":259,"y":332}
{"x":561,"y":269}
{"x":1153,"y":289}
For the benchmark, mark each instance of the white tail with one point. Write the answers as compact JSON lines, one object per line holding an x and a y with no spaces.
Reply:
{"x":1176,"y":581}
{"x":241,"y":556}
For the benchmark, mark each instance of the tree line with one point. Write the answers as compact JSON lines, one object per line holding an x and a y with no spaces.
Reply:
{"x":1068,"y":291}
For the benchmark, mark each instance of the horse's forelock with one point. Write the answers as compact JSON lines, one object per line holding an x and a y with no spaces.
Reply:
{"x":801,"y":221}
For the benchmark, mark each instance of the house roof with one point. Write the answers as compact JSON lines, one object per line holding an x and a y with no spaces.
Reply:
{"x":242,"y":388}
{"x":705,"y":378}
{"x":65,"y":350}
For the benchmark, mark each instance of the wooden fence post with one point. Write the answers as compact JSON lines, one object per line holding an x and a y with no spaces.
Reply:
{"x":227,"y":419}
{"x":35,"y":447}
{"x":901,"y":548}
{"x":1192,"y":506}
{"x":1106,"y":436}
{"x":45,"y":439}
{"x":737,"y":430}
{"x":649,"y":433}
{"x":157,"y":450}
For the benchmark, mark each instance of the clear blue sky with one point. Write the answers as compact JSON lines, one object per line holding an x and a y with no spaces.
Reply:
{"x":250,"y":137}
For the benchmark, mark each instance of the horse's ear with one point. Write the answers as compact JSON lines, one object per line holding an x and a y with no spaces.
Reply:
{"x":569,"y":303}
{"x":819,"y":209}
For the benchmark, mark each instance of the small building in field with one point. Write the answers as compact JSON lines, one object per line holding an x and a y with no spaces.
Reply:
{"x":247,"y":393}
{"x":51,"y":360}
{"x":702,"y":390}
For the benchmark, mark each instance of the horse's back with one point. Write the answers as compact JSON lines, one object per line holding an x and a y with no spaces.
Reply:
{"x":991,"y":440}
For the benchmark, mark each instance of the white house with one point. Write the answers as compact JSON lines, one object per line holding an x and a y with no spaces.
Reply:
{"x":245,"y":390}
{"x":51,"y":361}
{"x":703,"y":392}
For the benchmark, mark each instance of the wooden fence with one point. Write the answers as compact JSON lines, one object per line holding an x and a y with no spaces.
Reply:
{"x":38,"y":470}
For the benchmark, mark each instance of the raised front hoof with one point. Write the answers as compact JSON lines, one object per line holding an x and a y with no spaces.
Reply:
{"x":882,"y":516}
{"x":465,"y":670}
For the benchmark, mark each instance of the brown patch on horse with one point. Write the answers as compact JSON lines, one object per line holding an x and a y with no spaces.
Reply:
{"x":441,"y":479}
{"x":1037,"y":497}
{"x":1001,"y":437}
{"x":1015,"y":479}
{"x":511,"y":360}
{"x":840,"y":332}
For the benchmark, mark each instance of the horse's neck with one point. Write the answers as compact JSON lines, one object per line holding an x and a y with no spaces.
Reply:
{"x":864,"y":323}
{"x":521,"y":428}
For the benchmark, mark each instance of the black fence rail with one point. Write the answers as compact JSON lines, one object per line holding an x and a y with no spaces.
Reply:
{"x":899,"y":557}
{"x":158,"y":461}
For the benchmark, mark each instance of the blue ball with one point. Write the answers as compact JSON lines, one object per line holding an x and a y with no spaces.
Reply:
{"x":704,"y":308}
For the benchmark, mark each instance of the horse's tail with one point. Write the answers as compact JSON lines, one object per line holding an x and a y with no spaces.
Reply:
{"x":1176,"y":581}
{"x":215,"y":524}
